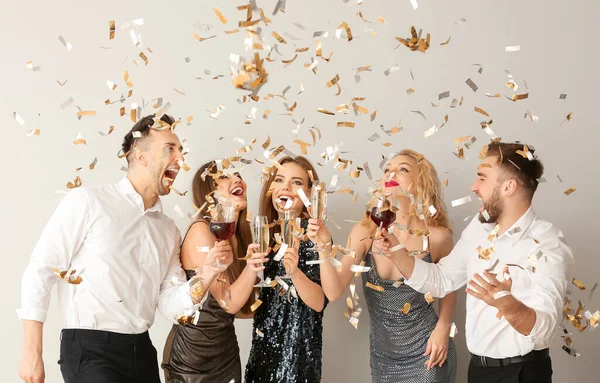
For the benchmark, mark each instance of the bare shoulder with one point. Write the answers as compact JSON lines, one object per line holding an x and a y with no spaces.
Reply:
{"x":440,"y":242}
{"x":199,"y":235}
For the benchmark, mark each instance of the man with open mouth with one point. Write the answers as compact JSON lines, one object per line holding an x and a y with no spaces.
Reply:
{"x":115,"y":257}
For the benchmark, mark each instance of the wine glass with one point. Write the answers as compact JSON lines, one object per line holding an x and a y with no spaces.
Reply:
{"x":318,"y":205}
{"x":260,"y":236}
{"x":222,"y":225}
{"x":288,"y":221}
{"x":383,"y":214}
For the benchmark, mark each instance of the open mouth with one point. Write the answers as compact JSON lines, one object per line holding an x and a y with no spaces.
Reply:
{"x":391,"y":184}
{"x":170,"y":174}
{"x":237,"y":192}
{"x":286,"y":201}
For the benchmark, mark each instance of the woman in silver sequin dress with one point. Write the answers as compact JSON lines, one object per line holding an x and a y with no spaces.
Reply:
{"x":409,"y":343}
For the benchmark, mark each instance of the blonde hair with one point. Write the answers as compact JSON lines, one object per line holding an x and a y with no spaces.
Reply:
{"x":428,"y":189}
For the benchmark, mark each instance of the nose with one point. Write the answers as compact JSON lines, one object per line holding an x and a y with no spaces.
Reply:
{"x":179,"y":155}
{"x":475,"y":187}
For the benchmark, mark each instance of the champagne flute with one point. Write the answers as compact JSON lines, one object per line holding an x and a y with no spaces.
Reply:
{"x":288,"y":221}
{"x":318,"y":204}
{"x":222,"y":225}
{"x":383,"y":214}
{"x":260,"y":236}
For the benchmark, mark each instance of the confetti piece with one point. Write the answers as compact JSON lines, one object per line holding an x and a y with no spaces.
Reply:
{"x":348,"y":124}
{"x":579,"y":285}
{"x":67,"y":102}
{"x":18,"y":118}
{"x":217,"y":111}
{"x":374,"y":287}
{"x":419,"y":113}
{"x":562,"y":96}
{"x":414,"y":43}
{"x":255,"y":305}
{"x":144,"y":57}
{"x":79,"y":140}
{"x":472,"y":85}
{"x":410,"y":91}
{"x":338,"y":31}
{"x":569,"y":191}
{"x":111,"y":27}
{"x":127,"y":79}
{"x":429,"y":298}
{"x":324,"y":111}
{"x":444,"y":95}
{"x":517,"y":97}
{"x":382,"y":20}
{"x":392,"y":69}
{"x":84,"y":113}
{"x":29,"y":65}
{"x":406,"y":308}
{"x":73,"y":277}
{"x":414,"y":4}
{"x":479,"y":110}
{"x":33,"y":132}
{"x":65,"y":43}
{"x":447,"y":41}
{"x":222,"y":19}
{"x":512,"y":48}
{"x":461,"y":201}
{"x":335,"y":81}
{"x":75,"y":184}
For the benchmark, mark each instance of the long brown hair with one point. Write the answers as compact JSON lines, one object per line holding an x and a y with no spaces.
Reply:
{"x":266,"y":207}
{"x":201,"y":188}
{"x":428,"y":189}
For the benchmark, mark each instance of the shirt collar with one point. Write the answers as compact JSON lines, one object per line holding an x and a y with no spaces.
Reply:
{"x":517,"y":229}
{"x":126,"y":187}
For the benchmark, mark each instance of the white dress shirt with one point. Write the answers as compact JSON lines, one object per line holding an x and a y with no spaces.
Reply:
{"x":543,"y":290}
{"x":128,"y":258}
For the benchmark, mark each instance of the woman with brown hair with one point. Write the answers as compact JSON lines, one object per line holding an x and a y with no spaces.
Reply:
{"x":288,"y":326}
{"x":409,"y":343}
{"x":207,"y":351}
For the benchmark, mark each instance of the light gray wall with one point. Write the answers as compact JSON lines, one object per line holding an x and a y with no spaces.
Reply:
{"x":558,"y":54}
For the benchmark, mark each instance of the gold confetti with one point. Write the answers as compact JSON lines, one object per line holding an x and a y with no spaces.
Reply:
{"x":127,"y":79}
{"x":122,"y":111}
{"x":429,"y":298}
{"x":232,"y":32}
{"x":33,"y":132}
{"x":180,"y":92}
{"x":144,"y":57}
{"x":517,"y":97}
{"x":579,"y":285}
{"x":86,"y":113}
{"x":347,"y":124}
{"x":188,"y":120}
{"x":569,"y":191}
{"x":280,"y":39}
{"x":79,"y":140}
{"x":288,"y":62}
{"x":335,"y":81}
{"x":324,"y":111}
{"x":410,"y":91}
{"x":75,"y":184}
{"x":200,"y":38}
{"x":446,"y":42}
{"x":93,"y":164}
{"x":345,"y":26}
{"x":374,"y":287}
{"x":63,"y":83}
{"x":255,"y":305}
{"x":415,"y":43}
{"x":111,"y":26}
{"x":406,"y":308}
{"x":72,"y":279}
{"x":479,"y":110}
{"x":382,"y":20}
{"x":220,"y":15}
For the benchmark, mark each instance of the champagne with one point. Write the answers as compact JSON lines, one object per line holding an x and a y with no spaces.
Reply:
{"x":261,"y":237}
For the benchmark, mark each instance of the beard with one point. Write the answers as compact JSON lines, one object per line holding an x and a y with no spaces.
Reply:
{"x":494,"y":206}
{"x":157,"y":175}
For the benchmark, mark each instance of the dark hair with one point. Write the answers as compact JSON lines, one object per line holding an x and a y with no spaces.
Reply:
{"x":266,"y":207}
{"x":202,"y":188}
{"x":143,"y":127}
{"x":516,"y":163}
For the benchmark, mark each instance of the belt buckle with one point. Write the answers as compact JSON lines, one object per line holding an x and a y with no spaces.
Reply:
{"x":483,"y":361}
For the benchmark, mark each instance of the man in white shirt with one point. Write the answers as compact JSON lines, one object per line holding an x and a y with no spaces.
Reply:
{"x":119,"y":258}
{"x":516,"y":264}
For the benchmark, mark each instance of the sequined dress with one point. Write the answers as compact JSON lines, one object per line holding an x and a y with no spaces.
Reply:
{"x":398,"y":341}
{"x":289,"y":346}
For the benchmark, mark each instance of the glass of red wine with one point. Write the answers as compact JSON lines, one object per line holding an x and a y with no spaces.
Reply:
{"x":222,"y":225}
{"x":382,"y":213}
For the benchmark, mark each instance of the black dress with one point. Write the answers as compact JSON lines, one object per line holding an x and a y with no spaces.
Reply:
{"x":288,"y":348}
{"x":207,"y":352}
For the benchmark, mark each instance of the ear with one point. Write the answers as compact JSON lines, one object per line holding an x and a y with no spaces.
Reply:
{"x":510,"y":187}
{"x":140,"y":156}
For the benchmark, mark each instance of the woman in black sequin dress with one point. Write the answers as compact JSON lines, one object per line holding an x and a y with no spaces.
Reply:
{"x":208,"y":350}
{"x":287,"y":339}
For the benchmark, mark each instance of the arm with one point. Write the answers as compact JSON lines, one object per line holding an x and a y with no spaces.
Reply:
{"x":60,"y":240}
{"x":441,"y":278}
{"x":334,"y":282}
{"x":310,"y":292}
{"x":199,"y":235}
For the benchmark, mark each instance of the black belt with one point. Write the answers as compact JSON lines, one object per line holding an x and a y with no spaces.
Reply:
{"x":484,"y":361}
{"x":104,"y":336}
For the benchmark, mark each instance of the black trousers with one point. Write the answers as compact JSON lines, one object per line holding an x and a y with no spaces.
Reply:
{"x":539,"y":371}
{"x":93,"y":356}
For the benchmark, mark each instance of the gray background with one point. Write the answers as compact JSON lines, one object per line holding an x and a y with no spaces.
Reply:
{"x":558,"y":55}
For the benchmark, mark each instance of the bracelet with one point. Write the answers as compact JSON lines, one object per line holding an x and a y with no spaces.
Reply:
{"x":502,"y":294}
{"x":197,"y":292}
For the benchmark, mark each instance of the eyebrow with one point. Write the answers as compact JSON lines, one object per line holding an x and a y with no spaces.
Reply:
{"x":173,"y":144}
{"x":401,"y":163}
{"x":294,"y":178}
{"x":480,"y":174}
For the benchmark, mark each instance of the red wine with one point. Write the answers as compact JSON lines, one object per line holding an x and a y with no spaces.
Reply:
{"x":384,"y":218}
{"x":222,"y":230}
